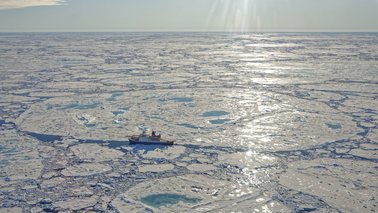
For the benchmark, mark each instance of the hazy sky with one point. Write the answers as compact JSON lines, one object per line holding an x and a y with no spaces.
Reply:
{"x":188,"y":15}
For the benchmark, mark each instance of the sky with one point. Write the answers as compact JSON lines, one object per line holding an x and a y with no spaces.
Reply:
{"x":188,"y":15}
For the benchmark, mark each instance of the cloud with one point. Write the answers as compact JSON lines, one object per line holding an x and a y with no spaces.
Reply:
{"x":12,"y":4}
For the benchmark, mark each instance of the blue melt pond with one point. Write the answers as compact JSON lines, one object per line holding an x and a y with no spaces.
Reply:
{"x":219,"y":121}
{"x":114,"y":96}
{"x":158,"y":200}
{"x":89,"y":125}
{"x":334,"y":125}
{"x":2,"y":122}
{"x":118,"y":112}
{"x":190,"y":126}
{"x":6,"y":150}
{"x":73,"y":106}
{"x":214,"y":113}
{"x":182,"y":99}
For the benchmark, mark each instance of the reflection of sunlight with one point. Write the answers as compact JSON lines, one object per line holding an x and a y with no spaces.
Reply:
{"x":253,"y":171}
{"x":248,"y":153}
{"x":256,"y":116}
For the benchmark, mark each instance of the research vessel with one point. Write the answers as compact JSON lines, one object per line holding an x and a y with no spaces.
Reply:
{"x":154,"y":138}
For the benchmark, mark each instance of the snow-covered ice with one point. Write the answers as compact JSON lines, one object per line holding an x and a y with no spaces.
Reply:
{"x":265,"y":122}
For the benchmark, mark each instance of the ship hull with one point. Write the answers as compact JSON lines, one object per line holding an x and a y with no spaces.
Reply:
{"x":162,"y":142}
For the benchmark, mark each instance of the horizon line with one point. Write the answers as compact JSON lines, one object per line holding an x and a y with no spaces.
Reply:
{"x":196,"y":31}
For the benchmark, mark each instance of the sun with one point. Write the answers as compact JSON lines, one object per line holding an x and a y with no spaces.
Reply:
{"x":234,"y":15}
